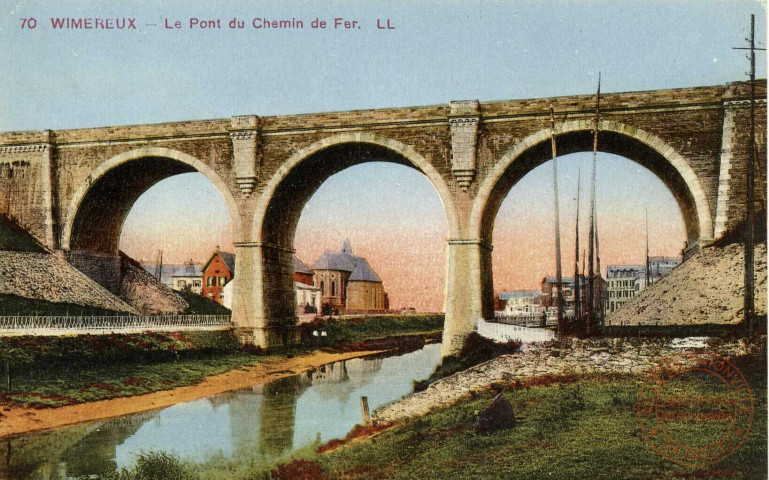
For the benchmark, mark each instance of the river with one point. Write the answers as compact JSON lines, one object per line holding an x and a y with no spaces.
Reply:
{"x":263,"y":423}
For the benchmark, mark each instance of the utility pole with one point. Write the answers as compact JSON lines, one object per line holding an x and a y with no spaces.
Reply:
{"x":558,"y":275}
{"x":750,"y":220}
{"x":159,"y":266}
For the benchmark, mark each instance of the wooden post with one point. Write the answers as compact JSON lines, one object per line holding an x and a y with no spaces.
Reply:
{"x":7,"y":377}
{"x":364,"y":408}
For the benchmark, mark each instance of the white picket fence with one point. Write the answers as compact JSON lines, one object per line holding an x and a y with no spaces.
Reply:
{"x":62,"y":325}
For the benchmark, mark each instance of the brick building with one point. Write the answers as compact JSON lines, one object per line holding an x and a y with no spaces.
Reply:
{"x":348,"y":282}
{"x":217,"y":271}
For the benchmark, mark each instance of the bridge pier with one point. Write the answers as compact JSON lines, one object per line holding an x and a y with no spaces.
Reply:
{"x":469,"y":291}
{"x":264,"y":299}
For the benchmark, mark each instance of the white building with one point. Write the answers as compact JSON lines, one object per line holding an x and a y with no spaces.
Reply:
{"x":188,"y":276}
{"x":307,"y":295}
{"x":626,"y":281}
{"x":522,"y":307}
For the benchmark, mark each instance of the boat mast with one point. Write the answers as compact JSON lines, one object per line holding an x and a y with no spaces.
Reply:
{"x":648,"y":263}
{"x":598,"y":268}
{"x":591,"y":242}
{"x":559,"y":278}
{"x":577,"y":303}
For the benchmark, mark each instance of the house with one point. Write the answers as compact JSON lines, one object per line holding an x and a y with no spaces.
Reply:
{"x":187,"y":277}
{"x":623,"y":283}
{"x":626,"y":281}
{"x":348,"y":282}
{"x":217,"y":272}
{"x":306,"y":293}
{"x":522,"y":307}
{"x":308,"y":296}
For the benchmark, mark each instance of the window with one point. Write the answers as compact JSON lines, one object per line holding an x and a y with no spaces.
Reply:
{"x":322,"y":287}
{"x":222,"y":281}
{"x":209,"y":281}
{"x":333,"y":288}
{"x":196,"y":283}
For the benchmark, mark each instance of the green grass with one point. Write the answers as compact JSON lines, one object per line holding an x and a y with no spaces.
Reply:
{"x":201,"y":305}
{"x":475,"y":350}
{"x":572,"y":429}
{"x":369,"y":327}
{"x":58,"y":371}
{"x":586,"y":429}
{"x":66,"y":386}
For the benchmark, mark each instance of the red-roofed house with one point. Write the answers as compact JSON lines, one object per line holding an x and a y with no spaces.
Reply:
{"x":217,"y":271}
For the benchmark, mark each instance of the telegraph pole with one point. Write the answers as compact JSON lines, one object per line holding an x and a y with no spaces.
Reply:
{"x":750,"y":214}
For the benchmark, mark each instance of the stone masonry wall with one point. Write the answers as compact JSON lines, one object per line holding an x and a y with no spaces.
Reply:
{"x":607,"y":356}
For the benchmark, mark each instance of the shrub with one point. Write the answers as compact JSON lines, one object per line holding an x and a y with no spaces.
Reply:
{"x":157,"y":466}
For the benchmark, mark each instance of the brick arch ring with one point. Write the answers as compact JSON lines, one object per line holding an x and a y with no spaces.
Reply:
{"x":144,"y":152}
{"x":701,"y":204}
{"x":405,"y":151}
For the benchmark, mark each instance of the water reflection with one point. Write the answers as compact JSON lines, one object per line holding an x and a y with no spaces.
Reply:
{"x":261,"y":424}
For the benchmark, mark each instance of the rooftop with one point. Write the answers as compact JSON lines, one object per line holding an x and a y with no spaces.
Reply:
{"x":345,"y":261}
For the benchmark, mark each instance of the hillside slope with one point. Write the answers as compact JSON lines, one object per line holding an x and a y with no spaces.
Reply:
{"x":707,"y":288}
{"x":45,"y":276}
{"x":141,"y":290}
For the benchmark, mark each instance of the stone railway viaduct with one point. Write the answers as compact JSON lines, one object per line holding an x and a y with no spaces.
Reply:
{"x":72,"y":189}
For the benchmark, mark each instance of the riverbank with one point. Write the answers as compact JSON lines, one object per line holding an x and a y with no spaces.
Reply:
{"x":583,"y":424}
{"x":569,"y":360}
{"x":17,"y":419}
{"x":579,"y":427}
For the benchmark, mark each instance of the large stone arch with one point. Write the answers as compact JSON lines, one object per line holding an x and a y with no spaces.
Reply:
{"x":573,"y":136}
{"x":94,"y":219}
{"x":412,"y":158}
{"x":177,"y":162}
{"x":267,"y":294}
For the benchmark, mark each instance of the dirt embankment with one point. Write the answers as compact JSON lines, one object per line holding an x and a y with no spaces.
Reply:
{"x":707,"y":288}
{"x":145,"y":293}
{"x":45,"y":276}
{"x":16,"y":420}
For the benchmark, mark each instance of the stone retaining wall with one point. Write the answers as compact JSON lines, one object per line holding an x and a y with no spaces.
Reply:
{"x":615,"y":356}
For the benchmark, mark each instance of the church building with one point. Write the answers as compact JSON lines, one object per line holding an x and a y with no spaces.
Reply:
{"x":348,"y":282}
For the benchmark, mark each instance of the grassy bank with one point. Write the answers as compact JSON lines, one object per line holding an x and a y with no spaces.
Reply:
{"x":584,"y":429}
{"x":566,"y":428}
{"x":475,"y":350}
{"x":351,"y":330}
{"x":57,"y":371}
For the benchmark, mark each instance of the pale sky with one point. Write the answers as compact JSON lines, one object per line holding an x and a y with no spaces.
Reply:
{"x":438,"y":51}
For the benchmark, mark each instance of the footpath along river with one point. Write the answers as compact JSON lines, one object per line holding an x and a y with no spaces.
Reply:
{"x":261,"y":423}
